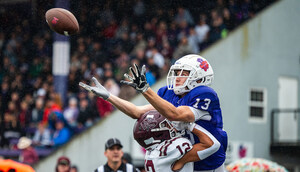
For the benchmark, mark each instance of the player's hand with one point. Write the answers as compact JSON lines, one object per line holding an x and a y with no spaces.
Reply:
{"x":180,"y":125}
{"x":99,"y":90}
{"x":177,"y":166}
{"x":137,"y":80}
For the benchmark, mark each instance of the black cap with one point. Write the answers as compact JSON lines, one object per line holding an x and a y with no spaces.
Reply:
{"x":111,"y":142}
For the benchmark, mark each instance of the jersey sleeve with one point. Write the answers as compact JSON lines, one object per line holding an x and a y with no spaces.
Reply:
{"x":161,"y":92}
{"x":203,"y":99}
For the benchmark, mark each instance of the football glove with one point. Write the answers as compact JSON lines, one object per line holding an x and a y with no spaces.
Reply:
{"x":137,"y":80}
{"x":99,"y":90}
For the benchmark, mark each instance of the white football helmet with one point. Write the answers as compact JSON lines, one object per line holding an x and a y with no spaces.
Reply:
{"x":200,"y":73}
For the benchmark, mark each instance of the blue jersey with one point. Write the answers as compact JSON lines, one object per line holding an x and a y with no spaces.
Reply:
{"x":206,"y":99}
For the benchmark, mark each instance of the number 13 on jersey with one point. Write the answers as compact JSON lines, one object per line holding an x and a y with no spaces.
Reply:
{"x":205,"y":106}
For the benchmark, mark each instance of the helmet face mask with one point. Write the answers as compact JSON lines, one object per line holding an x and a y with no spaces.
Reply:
{"x":200,"y":73}
{"x":173,"y":75}
{"x":152,"y":128}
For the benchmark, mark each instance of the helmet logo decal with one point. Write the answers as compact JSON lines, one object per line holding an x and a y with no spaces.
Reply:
{"x":203,"y":64}
{"x":148,"y":123}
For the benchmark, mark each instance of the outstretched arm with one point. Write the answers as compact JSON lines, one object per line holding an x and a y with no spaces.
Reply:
{"x":138,"y":81}
{"x":208,"y":145}
{"x":168,"y":110}
{"x":129,"y":108}
{"x":125,"y":106}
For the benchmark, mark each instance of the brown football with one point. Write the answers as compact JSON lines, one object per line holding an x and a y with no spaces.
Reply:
{"x":62,"y":21}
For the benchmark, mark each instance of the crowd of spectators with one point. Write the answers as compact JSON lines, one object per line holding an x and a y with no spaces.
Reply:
{"x":113,"y":35}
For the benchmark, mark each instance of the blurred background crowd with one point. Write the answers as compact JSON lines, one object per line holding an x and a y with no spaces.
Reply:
{"x":113,"y":35}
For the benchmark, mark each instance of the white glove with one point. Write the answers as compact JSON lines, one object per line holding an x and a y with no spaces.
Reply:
{"x":99,"y":90}
{"x":179,"y":125}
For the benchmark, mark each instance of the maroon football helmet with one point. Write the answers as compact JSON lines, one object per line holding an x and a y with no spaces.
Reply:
{"x":152,"y":128}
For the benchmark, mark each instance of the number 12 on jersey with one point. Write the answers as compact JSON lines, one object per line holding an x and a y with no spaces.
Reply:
{"x":152,"y":164}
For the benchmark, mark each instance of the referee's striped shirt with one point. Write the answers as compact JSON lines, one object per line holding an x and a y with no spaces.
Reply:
{"x":123,"y":168}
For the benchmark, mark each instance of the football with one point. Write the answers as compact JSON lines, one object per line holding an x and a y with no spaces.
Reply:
{"x":62,"y":21}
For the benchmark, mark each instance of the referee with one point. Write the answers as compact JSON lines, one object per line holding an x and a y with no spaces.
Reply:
{"x":114,"y":154}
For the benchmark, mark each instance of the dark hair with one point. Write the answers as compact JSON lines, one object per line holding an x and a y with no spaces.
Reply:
{"x":74,"y":167}
{"x":127,"y":157}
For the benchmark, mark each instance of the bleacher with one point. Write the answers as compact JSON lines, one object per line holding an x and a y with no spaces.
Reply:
{"x":26,"y":52}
